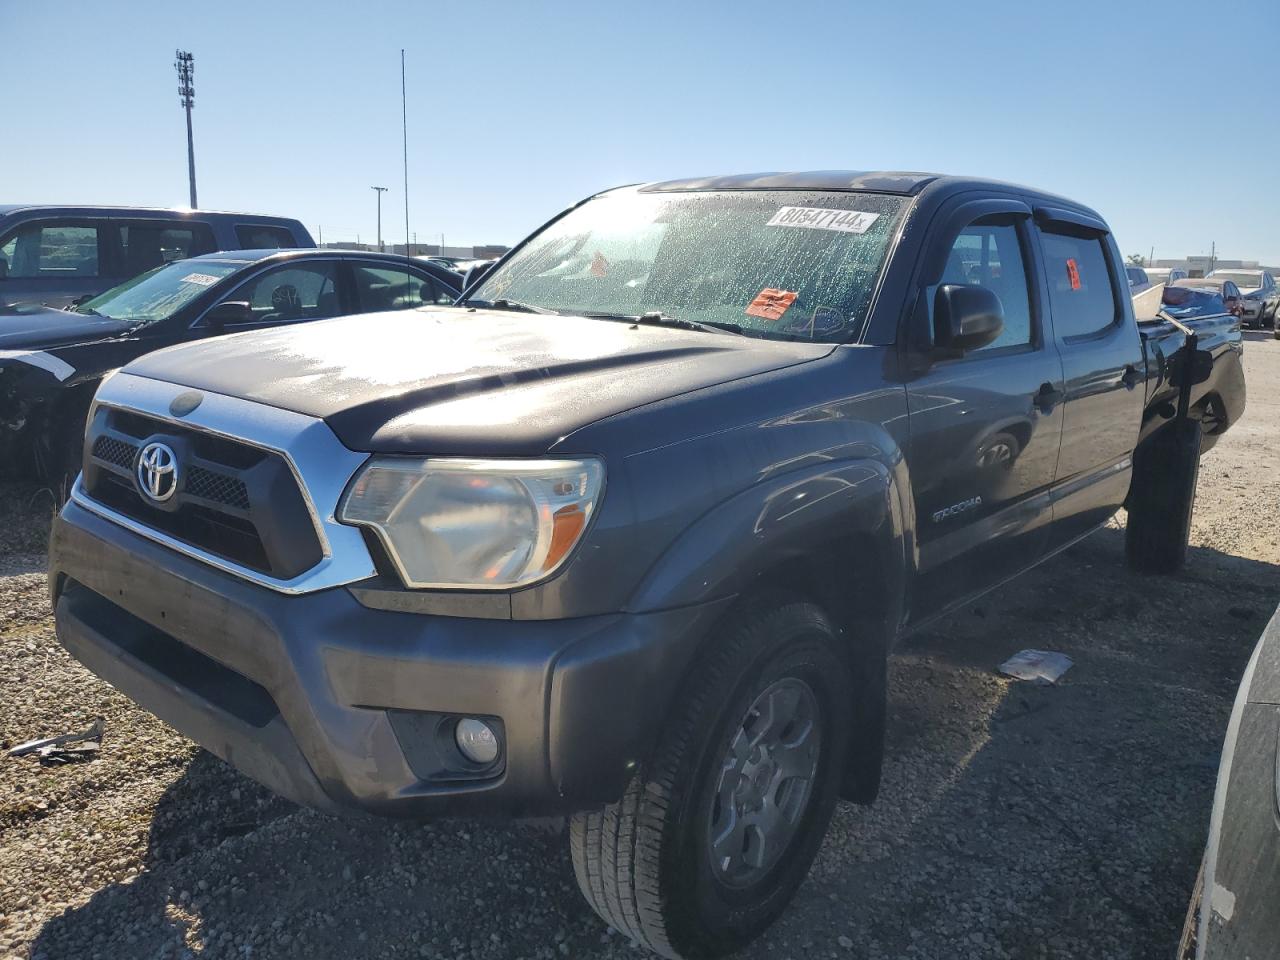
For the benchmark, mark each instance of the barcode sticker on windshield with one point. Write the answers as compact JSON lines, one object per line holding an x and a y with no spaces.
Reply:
{"x":820,"y":218}
{"x":201,"y":278}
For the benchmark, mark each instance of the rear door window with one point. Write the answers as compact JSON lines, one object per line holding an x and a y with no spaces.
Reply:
{"x":1081,"y":292}
{"x":52,"y":249}
{"x":144,"y":245}
{"x":258,"y":236}
{"x":386,"y":288}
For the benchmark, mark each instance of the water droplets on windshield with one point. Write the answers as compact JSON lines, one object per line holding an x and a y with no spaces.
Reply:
{"x":778,"y":264}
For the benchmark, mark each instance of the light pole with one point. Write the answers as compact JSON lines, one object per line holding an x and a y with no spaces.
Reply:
{"x":185,"y":64}
{"x":381,"y":191}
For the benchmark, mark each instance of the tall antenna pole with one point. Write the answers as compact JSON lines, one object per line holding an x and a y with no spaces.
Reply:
{"x":381,"y":191}
{"x":185,"y":64}
{"x":404,"y":126}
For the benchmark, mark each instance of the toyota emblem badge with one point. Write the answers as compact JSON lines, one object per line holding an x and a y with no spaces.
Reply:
{"x":158,"y":471}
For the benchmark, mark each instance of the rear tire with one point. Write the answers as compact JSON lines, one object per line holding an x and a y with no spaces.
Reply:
{"x":715,"y":834}
{"x":1165,"y":471}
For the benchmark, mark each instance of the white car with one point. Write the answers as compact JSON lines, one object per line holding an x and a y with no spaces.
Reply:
{"x":1257,"y":289}
{"x":1166,"y":275}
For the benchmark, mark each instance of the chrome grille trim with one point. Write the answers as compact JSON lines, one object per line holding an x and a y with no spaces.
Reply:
{"x":321,"y":466}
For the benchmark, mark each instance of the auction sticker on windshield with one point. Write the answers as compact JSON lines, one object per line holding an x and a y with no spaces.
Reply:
{"x":821,"y":218}
{"x":201,"y":278}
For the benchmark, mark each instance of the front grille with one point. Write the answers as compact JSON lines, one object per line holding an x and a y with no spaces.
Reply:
{"x":115,"y":451}
{"x":217,"y":487}
{"x":234,"y":500}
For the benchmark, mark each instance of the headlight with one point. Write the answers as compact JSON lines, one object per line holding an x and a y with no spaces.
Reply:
{"x":475,"y":523}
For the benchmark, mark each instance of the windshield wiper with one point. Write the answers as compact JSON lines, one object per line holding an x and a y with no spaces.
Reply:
{"x":657,"y":318}
{"x":505,"y":304}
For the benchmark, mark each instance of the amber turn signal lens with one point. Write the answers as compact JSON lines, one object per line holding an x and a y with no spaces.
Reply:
{"x":568,"y":523}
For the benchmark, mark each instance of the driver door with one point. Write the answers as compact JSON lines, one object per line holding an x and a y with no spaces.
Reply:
{"x":985,"y":426}
{"x":292,"y":292}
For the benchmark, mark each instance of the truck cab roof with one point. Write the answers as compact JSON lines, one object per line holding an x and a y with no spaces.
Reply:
{"x":900,"y":182}
{"x":106,"y":210}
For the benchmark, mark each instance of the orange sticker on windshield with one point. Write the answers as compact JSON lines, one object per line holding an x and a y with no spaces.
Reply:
{"x":599,"y":265}
{"x":1073,"y":274}
{"x":771,"y":304}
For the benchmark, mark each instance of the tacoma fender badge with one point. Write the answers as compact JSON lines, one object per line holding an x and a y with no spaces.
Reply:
{"x":956,"y":508}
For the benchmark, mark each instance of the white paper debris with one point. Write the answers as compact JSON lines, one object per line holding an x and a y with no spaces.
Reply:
{"x":1039,"y":666}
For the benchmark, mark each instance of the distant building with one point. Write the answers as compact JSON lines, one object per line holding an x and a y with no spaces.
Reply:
{"x":483,"y":251}
{"x":1201,"y":264}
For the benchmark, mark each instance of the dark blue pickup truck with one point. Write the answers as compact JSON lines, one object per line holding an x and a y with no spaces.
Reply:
{"x":57,"y":255}
{"x":628,"y":533}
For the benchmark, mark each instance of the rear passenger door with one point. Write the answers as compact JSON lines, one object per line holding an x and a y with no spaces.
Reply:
{"x":1103,"y":368}
{"x":141,"y":245}
{"x":381,"y":286}
{"x":985,"y":426}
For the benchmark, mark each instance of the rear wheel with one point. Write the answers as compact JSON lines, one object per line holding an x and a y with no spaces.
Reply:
{"x":713,"y":837}
{"x":1165,"y":471}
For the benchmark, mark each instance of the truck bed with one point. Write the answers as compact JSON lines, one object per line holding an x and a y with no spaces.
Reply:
{"x":1219,"y":400}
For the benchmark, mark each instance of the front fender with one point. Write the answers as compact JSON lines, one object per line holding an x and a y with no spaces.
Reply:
{"x":794,"y":516}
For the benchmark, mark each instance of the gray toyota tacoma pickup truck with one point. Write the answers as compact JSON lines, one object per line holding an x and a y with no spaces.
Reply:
{"x":627,"y":534}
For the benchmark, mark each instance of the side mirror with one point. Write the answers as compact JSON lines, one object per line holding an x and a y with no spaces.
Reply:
{"x":965,"y":317}
{"x":229,"y":313}
{"x":4,"y":269}
{"x":475,"y":274}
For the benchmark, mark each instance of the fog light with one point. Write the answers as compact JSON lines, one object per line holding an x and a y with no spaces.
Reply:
{"x":476,"y":740}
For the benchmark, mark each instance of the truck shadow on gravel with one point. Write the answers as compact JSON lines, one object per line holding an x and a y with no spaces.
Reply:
{"x":1014,"y":821}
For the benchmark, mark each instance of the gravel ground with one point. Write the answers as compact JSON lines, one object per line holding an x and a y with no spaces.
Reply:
{"x":1015,"y":820}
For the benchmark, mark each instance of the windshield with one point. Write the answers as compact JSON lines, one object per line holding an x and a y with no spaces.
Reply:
{"x":159,"y":293}
{"x":781,"y":265}
{"x":1246,"y":280}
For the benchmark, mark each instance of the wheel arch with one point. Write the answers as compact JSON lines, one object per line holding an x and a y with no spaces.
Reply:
{"x":835,"y":535}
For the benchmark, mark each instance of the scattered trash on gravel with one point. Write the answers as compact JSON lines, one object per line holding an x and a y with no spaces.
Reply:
{"x":1038,"y":666}
{"x":59,"y":749}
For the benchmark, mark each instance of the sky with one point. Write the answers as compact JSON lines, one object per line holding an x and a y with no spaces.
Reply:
{"x":1162,"y":116}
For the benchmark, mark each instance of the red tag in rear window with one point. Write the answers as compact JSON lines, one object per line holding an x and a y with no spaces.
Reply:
{"x":1073,"y":274}
{"x":771,"y":304}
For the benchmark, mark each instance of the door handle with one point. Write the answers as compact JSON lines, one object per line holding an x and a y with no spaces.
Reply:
{"x":1048,"y":397}
{"x":1131,"y":377}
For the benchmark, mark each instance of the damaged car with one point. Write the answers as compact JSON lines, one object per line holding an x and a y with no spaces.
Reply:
{"x":52,"y":360}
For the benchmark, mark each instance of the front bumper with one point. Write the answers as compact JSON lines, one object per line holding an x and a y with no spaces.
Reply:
{"x":314,"y":695}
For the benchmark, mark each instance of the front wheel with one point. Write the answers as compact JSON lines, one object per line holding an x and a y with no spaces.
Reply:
{"x":713,"y":837}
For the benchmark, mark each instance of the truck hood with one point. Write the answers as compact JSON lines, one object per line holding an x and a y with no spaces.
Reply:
{"x":466,"y":382}
{"x":30,"y":326}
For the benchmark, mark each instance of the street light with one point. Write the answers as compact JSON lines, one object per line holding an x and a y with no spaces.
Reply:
{"x":185,"y":64}
{"x":380,"y":191}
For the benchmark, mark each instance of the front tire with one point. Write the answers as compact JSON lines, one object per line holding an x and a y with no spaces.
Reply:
{"x":1165,"y":472}
{"x":715,"y":834}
